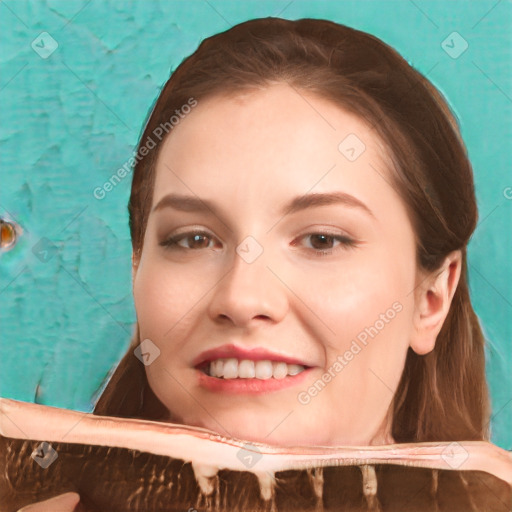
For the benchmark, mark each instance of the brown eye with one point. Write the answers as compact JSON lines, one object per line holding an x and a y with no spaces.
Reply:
{"x":197,"y":240}
{"x":322,"y":243}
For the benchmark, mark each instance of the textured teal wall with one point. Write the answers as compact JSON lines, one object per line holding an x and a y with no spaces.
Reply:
{"x":71,"y":118}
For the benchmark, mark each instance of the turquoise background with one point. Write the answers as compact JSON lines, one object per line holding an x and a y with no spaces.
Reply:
{"x":71,"y":120}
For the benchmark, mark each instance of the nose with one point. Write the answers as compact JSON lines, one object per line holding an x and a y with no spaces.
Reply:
{"x":249,"y":292}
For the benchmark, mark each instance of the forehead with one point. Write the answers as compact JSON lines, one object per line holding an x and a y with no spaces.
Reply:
{"x":274,"y":140}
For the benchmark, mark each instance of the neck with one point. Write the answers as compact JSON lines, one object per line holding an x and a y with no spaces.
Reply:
{"x":383,"y":434}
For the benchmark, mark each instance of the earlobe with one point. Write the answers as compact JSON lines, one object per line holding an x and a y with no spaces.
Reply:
{"x":432,"y":303}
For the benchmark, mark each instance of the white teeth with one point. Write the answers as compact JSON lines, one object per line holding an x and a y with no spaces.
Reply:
{"x":280,"y":370}
{"x":232,"y":368}
{"x":245,"y":369}
{"x":294,"y":369}
{"x":216,"y":368}
{"x":263,"y":369}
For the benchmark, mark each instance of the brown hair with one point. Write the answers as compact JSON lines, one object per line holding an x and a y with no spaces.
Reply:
{"x":442,"y":395}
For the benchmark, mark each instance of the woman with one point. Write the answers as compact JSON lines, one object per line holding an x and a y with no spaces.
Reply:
{"x":300,"y":209}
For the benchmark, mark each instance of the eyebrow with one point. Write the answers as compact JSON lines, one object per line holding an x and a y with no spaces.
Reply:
{"x":186,"y":203}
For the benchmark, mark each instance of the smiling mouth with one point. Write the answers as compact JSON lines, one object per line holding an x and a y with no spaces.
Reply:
{"x":232,"y":368}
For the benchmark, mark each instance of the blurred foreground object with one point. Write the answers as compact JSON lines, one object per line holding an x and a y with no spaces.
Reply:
{"x":124,"y":465}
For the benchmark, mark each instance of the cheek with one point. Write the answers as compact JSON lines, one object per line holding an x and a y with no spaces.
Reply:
{"x":166,"y":298}
{"x":365,"y":300}
{"x":155,"y":297}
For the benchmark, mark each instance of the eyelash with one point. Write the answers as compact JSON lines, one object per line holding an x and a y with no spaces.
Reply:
{"x":172,"y":242}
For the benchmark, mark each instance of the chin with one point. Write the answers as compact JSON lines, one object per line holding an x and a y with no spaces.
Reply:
{"x":272,"y":429}
{"x":270,"y":432}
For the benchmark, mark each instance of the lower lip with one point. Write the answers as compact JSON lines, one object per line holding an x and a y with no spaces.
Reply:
{"x":250,"y":386}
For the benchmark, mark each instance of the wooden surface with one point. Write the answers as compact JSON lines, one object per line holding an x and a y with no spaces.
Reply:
{"x":113,"y":479}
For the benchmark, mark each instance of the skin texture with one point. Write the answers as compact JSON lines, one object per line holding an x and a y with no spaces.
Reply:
{"x":63,"y":503}
{"x":251,"y":153}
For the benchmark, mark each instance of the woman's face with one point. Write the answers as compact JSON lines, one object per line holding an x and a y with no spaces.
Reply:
{"x":325,"y":284}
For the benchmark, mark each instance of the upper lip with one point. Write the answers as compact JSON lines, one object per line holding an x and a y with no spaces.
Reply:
{"x":253,"y":354}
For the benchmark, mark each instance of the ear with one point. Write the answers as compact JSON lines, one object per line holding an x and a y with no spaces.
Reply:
{"x":433,"y":297}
